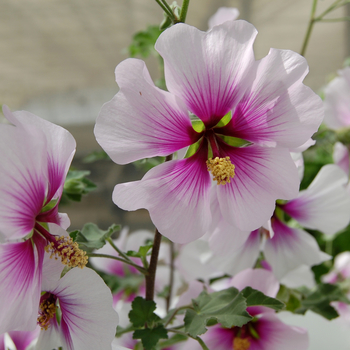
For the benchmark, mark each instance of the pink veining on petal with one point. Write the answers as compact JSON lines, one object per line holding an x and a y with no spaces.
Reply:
{"x":20,"y":275}
{"x":176,"y":194}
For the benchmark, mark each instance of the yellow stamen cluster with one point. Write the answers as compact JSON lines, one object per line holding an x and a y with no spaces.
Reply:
{"x":222,"y":169}
{"x":241,"y":343}
{"x":68,"y":251}
{"x":46,"y":312}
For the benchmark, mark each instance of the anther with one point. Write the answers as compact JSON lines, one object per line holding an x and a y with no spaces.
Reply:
{"x":222,"y":169}
{"x":68,"y":251}
{"x":47,"y":310}
{"x":241,"y":343}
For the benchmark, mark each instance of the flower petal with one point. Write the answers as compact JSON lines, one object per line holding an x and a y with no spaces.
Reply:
{"x":176,"y":194}
{"x":23,"y":185}
{"x":222,"y":15}
{"x":262,"y":175}
{"x":336,"y":102}
{"x":60,"y":147}
{"x":259,"y":279}
{"x":207,"y":70}
{"x":88,"y":319}
{"x":290,"y":248}
{"x":240,"y":259}
{"x":277,"y":109}
{"x":20,"y":275}
{"x":142,"y":121}
{"x":325,"y":204}
{"x":341,"y":156}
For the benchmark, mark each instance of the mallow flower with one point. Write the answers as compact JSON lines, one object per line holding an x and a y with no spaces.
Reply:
{"x":34,"y":160}
{"x":238,"y":116}
{"x":75,"y":312}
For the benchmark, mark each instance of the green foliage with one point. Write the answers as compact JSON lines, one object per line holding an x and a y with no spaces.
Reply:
{"x":255,"y":297}
{"x":92,"y":237}
{"x":148,"y":163}
{"x":95,"y":156}
{"x":151,"y":336}
{"x":142,"y":44}
{"x":142,"y":316}
{"x":142,"y":313}
{"x":141,"y":253}
{"x":319,"y":301}
{"x":77,"y":185}
{"x":227,"y":307}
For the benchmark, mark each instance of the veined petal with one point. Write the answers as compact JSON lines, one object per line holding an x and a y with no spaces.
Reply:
{"x":207,"y":69}
{"x":262,"y":175}
{"x":276,"y":335}
{"x":88,"y":320}
{"x":259,"y":279}
{"x":142,"y":121}
{"x":325,"y":204}
{"x":60,"y":147}
{"x":277,"y":109}
{"x":20,"y":275}
{"x":23,"y":185}
{"x":23,"y":339}
{"x":176,"y":194}
{"x":290,"y":248}
{"x":241,"y":259}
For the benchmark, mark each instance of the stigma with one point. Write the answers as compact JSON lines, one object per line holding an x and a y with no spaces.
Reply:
{"x":222,"y":169}
{"x":241,"y":343}
{"x":47,"y":311}
{"x":69,"y":252}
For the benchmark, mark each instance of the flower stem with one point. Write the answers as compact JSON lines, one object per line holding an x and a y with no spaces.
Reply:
{"x":199,"y":340}
{"x":151,"y":277}
{"x":166,"y":8}
{"x":184,"y":9}
{"x":171,"y":279}
{"x":129,"y":262}
{"x":309,"y":28}
{"x":109,"y":240}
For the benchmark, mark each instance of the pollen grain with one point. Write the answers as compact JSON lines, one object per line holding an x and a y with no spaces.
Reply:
{"x":68,"y":251}
{"x":222,"y":169}
{"x":241,"y":343}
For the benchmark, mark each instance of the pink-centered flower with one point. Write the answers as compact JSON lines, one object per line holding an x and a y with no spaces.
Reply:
{"x":76,"y":313}
{"x":34,"y":161}
{"x":240,"y":115}
{"x":265,"y":331}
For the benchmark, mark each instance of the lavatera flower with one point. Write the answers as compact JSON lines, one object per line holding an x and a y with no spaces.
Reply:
{"x":75,"y":312}
{"x":238,"y":116}
{"x":34,"y":160}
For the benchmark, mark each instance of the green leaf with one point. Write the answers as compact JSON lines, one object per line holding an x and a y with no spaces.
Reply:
{"x":92,"y":237}
{"x":177,"y":338}
{"x":95,"y":156}
{"x":228,"y":307}
{"x":150,"y":337}
{"x":77,"y":185}
{"x":142,"y":253}
{"x":255,"y":297}
{"x":142,"y":312}
{"x":143,"y":42}
{"x":319,"y":301}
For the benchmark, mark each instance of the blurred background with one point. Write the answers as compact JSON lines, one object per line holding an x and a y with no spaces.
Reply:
{"x":58,"y":59}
